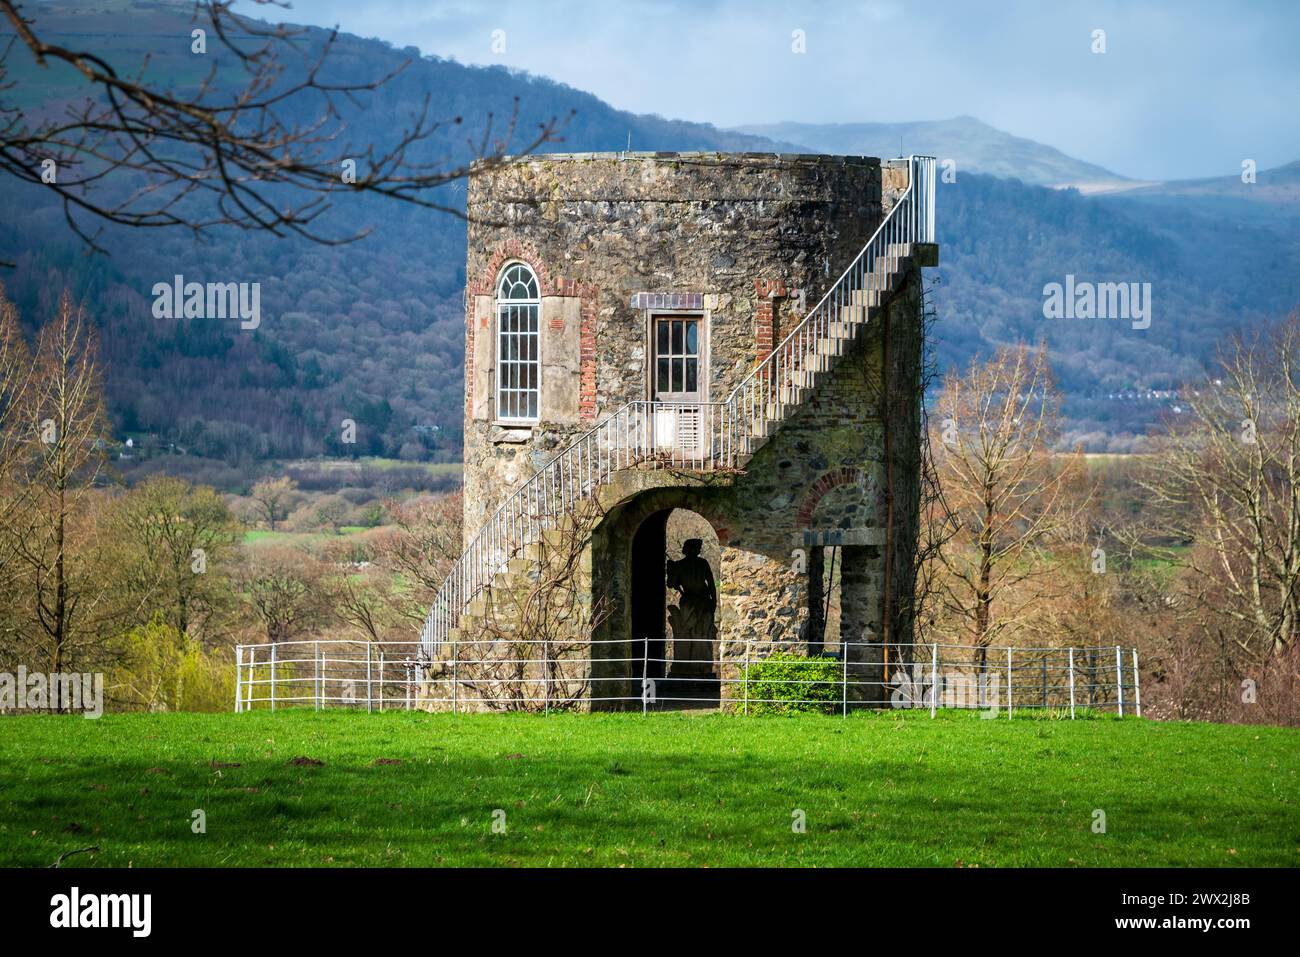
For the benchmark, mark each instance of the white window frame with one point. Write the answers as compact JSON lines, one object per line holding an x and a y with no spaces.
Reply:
{"x":509,"y":400}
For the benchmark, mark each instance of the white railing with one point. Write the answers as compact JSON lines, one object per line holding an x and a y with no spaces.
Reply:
{"x":700,"y":436}
{"x":533,"y":675}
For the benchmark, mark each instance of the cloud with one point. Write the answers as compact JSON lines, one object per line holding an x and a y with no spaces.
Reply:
{"x":1183,"y":89}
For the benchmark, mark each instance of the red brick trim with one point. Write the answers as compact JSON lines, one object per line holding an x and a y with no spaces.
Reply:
{"x":483,"y":283}
{"x":764,"y":325}
{"x":589,"y":303}
{"x":832,"y":479}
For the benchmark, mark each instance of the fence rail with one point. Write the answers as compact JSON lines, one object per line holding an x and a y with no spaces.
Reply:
{"x":535,"y":675}
{"x":704,"y":436}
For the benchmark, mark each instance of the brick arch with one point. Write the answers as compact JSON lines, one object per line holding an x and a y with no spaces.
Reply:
{"x":829,"y":480}
{"x":484,"y":282}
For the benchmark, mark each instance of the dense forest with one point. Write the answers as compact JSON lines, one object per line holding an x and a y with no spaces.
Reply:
{"x":372,"y":330}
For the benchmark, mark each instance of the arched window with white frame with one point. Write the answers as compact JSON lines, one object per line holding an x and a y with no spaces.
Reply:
{"x":519,"y":366}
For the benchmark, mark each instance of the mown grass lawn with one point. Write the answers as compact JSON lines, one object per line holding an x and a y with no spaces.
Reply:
{"x":418,"y":789}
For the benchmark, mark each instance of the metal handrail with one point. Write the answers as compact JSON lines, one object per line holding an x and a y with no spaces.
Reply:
{"x":709,"y":435}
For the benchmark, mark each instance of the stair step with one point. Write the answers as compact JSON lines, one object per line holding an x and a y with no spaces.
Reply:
{"x":813,"y":372}
{"x":872,"y":295}
{"x":807,"y":379}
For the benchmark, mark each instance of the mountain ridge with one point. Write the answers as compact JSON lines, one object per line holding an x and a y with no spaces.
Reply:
{"x":974,"y":145}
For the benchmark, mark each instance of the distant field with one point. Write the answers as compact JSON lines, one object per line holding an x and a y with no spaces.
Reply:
{"x":375,"y":462}
{"x":260,"y":536}
{"x":417,"y":789}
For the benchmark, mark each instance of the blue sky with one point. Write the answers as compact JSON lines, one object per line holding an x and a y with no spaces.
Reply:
{"x":1184,"y":88}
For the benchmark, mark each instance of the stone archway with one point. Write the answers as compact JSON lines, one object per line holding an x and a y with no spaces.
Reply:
{"x":630,"y":550}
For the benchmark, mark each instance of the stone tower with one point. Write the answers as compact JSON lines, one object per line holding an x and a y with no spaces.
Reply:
{"x":722,"y":347}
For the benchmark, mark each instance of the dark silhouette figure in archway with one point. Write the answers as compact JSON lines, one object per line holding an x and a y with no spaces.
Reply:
{"x":692,"y":618}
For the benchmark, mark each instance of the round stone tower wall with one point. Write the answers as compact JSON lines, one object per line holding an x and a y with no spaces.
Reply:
{"x":743,"y":241}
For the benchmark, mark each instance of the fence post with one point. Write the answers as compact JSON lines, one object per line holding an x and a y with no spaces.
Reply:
{"x":252,"y":673}
{"x":645,"y":673}
{"x":455,"y":675}
{"x":1137,"y":684}
{"x":239,"y":702}
{"x":934,"y":677}
{"x":546,"y":676}
{"x":1044,"y":671}
{"x":319,"y":695}
{"x":409,"y":672}
{"x":1071,"y":684}
{"x":273,"y":647}
{"x":370,"y":688}
{"x":745,"y":677}
{"x":1008,"y":682}
{"x":844,"y":686}
{"x":1119,"y":679}
{"x":381,"y":680}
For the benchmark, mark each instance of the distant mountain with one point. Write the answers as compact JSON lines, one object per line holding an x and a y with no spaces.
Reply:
{"x":374,"y":331}
{"x":976,"y":147}
{"x":1273,"y":196}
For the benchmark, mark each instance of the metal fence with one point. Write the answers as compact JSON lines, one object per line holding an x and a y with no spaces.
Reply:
{"x":527,"y":675}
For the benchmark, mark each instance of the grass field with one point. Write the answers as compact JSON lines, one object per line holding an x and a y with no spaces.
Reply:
{"x":260,"y":536}
{"x":417,"y":789}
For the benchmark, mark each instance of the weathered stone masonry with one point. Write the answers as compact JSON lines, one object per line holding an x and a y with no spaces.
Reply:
{"x":615,"y":239}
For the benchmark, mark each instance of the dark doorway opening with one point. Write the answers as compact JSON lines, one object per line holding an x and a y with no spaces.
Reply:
{"x":649,"y":595}
{"x":825,"y":570}
{"x":674,"y":582}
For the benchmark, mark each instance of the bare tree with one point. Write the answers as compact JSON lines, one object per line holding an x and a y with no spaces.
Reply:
{"x":272,"y":497}
{"x":1008,"y":492}
{"x":178,"y":539}
{"x":421,"y":548}
{"x":136,"y":151}
{"x":1228,"y":480}
{"x":15,"y":376}
{"x":284,"y":589}
{"x":937,"y":524}
{"x":65,"y":602}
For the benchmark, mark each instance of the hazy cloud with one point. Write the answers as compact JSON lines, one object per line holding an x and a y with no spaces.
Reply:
{"x":1183,"y":89}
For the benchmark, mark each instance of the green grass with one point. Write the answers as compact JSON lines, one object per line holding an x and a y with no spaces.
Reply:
{"x":627,"y":790}
{"x":377,"y":462}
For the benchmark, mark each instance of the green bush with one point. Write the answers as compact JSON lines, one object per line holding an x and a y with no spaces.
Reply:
{"x":163,"y":670}
{"x":787,"y":683}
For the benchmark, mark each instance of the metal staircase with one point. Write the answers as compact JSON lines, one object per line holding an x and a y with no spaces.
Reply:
{"x":698,"y":436}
